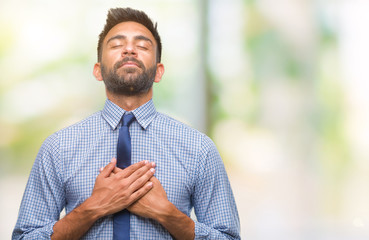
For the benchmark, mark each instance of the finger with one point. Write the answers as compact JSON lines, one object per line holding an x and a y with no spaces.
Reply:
{"x":106,"y":171}
{"x":139,"y":180}
{"x":113,"y":172}
{"x":141,"y":192}
{"x":117,"y":170}
{"x":147,"y":168}
{"x":135,"y":167}
{"x":154,"y":180}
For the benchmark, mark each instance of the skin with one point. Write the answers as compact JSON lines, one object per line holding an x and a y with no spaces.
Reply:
{"x":125,"y":39}
{"x":134,"y":188}
{"x":113,"y":191}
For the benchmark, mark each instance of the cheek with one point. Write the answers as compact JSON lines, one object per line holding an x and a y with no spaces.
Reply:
{"x":109,"y":57}
{"x":108,"y":64}
{"x":149,"y":62}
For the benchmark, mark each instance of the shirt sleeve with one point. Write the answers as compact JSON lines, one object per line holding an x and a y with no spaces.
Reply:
{"x":214,"y":204}
{"x":44,"y":197}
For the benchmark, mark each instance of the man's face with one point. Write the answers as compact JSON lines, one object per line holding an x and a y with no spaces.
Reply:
{"x":128,"y":64}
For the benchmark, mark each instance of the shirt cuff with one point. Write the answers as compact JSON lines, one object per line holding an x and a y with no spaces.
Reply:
{"x":201,"y":230}
{"x":49,"y":229}
{"x":44,"y":232}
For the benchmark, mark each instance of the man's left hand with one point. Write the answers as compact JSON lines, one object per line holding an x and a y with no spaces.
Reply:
{"x":153,"y":204}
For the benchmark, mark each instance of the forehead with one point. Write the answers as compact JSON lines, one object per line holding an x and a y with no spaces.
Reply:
{"x":129,"y":29}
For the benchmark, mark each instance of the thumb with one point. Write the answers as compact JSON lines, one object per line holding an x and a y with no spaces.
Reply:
{"x":106,"y":171}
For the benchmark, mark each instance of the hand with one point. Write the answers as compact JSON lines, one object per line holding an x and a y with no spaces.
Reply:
{"x":115,"y":189}
{"x":153,"y":204}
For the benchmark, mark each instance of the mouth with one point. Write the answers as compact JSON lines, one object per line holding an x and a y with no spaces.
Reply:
{"x":130,"y":64}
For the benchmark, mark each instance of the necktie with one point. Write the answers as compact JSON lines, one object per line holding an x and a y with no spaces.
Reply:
{"x":121,"y":219}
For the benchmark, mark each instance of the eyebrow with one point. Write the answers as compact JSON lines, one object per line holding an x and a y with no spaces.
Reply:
{"x":138,"y":37}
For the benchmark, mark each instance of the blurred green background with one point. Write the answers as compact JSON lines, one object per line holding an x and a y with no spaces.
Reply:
{"x":280,"y":86}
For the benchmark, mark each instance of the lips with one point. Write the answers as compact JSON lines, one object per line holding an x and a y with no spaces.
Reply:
{"x":130,"y":64}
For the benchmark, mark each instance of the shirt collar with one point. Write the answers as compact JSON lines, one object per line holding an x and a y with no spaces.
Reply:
{"x":144,"y":114}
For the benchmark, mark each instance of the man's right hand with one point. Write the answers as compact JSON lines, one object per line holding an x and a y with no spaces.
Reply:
{"x":115,"y":189}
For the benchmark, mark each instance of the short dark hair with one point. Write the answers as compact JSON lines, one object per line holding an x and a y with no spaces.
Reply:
{"x":119,"y":15}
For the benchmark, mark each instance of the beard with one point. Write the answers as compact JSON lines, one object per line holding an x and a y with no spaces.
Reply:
{"x":130,"y":82}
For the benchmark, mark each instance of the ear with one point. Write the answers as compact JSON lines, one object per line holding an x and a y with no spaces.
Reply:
{"x":159,"y":72}
{"x":97,"y":72}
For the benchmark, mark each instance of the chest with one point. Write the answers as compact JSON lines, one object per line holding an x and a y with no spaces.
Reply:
{"x":173,"y":166}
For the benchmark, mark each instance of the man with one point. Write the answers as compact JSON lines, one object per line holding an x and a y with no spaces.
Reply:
{"x":67,"y":172}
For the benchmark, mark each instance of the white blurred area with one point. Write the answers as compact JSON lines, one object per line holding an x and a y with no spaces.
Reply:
{"x":294,"y":141}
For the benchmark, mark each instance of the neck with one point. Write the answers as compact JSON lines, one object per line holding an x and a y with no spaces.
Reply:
{"x":129,"y":103}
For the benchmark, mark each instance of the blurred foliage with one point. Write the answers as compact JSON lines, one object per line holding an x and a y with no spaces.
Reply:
{"x":271,"y":59}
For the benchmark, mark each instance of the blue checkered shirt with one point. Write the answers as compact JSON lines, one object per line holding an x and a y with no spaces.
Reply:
{"x":188,"y":166}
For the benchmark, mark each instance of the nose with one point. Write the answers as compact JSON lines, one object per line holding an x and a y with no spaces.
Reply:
{"x":129,"y":50}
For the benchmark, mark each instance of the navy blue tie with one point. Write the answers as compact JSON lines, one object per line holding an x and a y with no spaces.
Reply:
{"x":121,"y":219}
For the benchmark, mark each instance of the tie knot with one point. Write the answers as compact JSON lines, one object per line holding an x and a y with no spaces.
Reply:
{"x":128,"y":119}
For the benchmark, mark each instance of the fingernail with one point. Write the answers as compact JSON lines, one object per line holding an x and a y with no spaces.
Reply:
{"x":153,"y":164}
{"x":149,"y":184}
{"x":152,"y":170}
{"x":146,"y":162}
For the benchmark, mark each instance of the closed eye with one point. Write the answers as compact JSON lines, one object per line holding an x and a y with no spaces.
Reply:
{"x":142,"y":47}
{"x":116,"y":46}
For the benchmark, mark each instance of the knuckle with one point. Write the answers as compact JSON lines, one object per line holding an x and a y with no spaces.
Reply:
{"x":141,"y":181}
{"x":122,"y":184}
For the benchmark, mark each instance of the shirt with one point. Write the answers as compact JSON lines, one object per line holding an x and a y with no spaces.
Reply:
{"x":188,"y":166}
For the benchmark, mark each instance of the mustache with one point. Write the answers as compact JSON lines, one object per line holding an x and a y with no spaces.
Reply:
{"x":129,"y":59}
